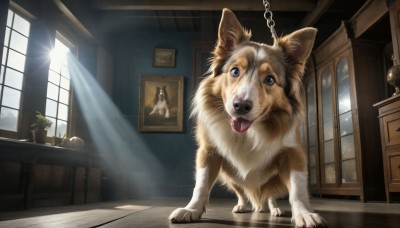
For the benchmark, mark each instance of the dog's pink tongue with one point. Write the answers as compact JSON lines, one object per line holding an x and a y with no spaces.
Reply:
{"x":240,"y":125}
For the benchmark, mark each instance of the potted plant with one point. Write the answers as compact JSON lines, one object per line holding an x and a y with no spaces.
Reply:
{"x":40,"y":127}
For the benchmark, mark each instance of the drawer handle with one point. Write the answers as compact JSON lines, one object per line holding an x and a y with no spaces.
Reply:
{"x":398,"y":166}
{"x":398,"y":129}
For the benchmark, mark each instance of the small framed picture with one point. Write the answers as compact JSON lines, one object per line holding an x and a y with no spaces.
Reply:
{"x":164,"y":57}
{"x":161,"y":104}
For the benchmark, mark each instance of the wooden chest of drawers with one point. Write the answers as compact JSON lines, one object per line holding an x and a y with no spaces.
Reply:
{"x":389,"y":119}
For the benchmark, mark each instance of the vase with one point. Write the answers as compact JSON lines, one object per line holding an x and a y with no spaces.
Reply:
{"x":393,"y":78}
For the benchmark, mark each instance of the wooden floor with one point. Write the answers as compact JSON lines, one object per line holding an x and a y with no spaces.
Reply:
{"x":154,"y":213}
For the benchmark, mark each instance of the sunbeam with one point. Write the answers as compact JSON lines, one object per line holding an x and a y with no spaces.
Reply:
{"x":119,"y":145}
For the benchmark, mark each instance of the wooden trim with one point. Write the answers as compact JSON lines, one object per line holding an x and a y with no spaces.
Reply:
{"x":368,"y":15}
{"x":394,"y":12}
{"x":340,"y":39}
{"x":312,"y":17}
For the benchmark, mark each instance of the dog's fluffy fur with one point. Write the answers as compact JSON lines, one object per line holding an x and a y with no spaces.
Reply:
{"x":248,"y":113}
{"x":161,"y":102}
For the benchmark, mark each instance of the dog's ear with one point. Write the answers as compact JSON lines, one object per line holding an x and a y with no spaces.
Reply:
{"x":230,"y":33}
{"x":298,"y":45}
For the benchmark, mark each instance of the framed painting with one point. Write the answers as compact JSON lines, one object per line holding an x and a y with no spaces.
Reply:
{"x":164,"y":57}
{"x":161,"y":104}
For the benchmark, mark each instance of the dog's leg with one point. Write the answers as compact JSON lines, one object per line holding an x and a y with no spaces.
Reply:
{"x":273,"y":207}
{"x":167,"y":113}
{"x":207,"y":168}
{"x":302,"y":214}
{"x":297,"y":184}
{"x":241,"y":206}
{"x":154,"y":110}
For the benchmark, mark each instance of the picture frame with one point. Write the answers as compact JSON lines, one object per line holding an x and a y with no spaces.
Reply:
{"x":164,"y":57}
{"x":161,"y":103}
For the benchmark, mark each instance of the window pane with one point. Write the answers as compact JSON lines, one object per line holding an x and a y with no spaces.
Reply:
{"x":1,"y":74}
{"x":65,"y":83}
{"x":52,"y":91}
{"x":7,"y":37}
{"x":346,"y":123}
{"x":55,"y":65}
{"x":64,"y":96}
{"x":328,"y":130}
{"x":62,"y":112}
{"x":52,"y":130}
{"x":312,"y":156}
{"x":313,"y":176}
{"x":342,"y":73}
{"x":18,"y":42}
{"x":54,"y":77}
{"x":51,"y":108}
{"x":16,"y":60}
{"x":349,"y":173}
{"x":347,"y":147}
{"x":21,"y":25}
{"x":3,"y":60}
{"x":65,"y":71}
{"x":11,"y":98}
{"x":330,"y":174}
{"x":311,"y":136}
{"x":14,"y":78}
{"x":8,"y":119}
{"x":9,"y":18}
{"x":329,"y":155}
{"x":61,"y":128}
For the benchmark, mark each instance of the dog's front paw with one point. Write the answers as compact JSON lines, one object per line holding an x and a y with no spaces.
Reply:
{"x":309,"y":220}
{"x":239,"y":209}
{"x":184,"y":215}
{"x":277,"y":212}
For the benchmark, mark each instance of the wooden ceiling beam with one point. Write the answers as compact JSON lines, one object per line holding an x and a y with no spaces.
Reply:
{"x":312,"y":17}
{"x":211,"y":5}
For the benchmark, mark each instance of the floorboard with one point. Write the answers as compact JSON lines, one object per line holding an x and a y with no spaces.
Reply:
{"x":154,"y":213}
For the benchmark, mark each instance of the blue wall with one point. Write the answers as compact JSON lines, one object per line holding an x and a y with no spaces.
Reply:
{"x":133,"y":57}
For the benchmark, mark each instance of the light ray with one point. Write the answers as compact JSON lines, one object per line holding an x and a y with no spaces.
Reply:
{"x":120,"y":146}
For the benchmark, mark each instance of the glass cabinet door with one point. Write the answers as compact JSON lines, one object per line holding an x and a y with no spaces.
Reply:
{"x":328,"y":128}
{"x":346,"y":137}
{"x":311,"y":130}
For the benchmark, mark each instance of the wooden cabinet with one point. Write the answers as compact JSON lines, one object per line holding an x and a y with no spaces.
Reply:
{"x":389,"y":118}
{"x":342,"y":129}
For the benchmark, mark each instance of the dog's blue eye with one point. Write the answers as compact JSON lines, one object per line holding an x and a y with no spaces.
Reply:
{"x":235,"y":72}
{"x":269,"y":80}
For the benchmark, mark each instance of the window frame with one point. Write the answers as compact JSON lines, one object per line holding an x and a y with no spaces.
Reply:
{"x":73,"y":49}
{"x":26,"y":16}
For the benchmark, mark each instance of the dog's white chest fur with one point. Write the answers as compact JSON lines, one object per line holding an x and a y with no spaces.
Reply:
{"x":161,"y":106}
{"x":246,"y":152}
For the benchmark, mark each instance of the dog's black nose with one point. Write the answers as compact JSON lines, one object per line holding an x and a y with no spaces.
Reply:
{"x":242,"y":106}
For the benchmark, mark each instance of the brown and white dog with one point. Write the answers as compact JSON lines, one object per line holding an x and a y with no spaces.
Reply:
{"x":248,"y":113}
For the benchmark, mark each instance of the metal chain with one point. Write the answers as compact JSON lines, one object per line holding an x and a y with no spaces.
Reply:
{"x":268,"y":17}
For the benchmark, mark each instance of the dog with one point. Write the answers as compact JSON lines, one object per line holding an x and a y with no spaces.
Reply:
{"x":248,"y":113}
{"x":161,"y":102}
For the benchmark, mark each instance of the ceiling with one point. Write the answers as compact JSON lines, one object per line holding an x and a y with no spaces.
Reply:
{"x":203,"y":16}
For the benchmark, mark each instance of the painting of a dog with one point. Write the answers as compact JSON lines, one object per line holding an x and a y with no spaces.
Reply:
{"x":161,"y":102}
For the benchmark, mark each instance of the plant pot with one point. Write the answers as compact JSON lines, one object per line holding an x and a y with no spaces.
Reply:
{"x":39,"y":136}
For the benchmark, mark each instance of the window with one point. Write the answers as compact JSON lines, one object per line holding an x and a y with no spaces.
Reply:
{"x":12,"y":70}
{"x":58,"y":90}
